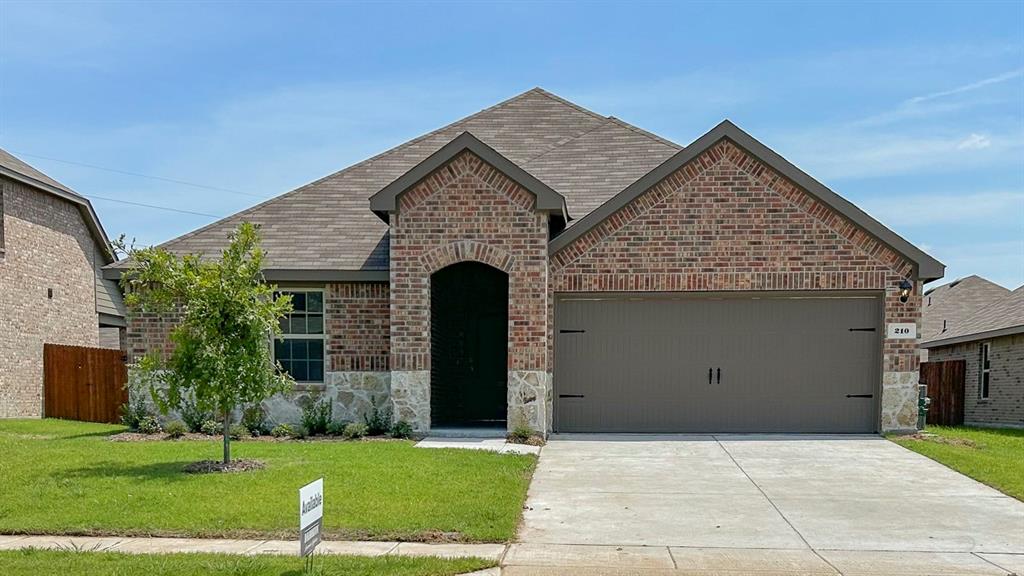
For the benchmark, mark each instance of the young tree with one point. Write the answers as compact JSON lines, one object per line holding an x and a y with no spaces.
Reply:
{"x":221,"y":356}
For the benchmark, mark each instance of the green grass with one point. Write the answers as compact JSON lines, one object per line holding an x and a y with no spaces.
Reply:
{"x":62,"y":477}
{"x":41,"y":562}
{"x":991,"y":456}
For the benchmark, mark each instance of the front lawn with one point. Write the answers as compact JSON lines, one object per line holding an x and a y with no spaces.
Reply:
{"x":62,"y":477}
{"x":40,"y":562}
{"x":991,"y":456}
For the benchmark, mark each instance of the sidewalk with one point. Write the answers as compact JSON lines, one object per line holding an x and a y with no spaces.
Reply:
{"x":250,"y":547}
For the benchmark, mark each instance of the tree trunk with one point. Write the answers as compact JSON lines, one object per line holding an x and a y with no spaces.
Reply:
{"x":227,"y":436}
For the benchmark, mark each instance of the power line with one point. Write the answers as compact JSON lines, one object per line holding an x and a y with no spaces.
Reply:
{"x":93,"y":197}
{"x":139,"y":175}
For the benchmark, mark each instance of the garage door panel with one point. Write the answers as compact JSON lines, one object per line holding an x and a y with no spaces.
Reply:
{"x":640,"y":364}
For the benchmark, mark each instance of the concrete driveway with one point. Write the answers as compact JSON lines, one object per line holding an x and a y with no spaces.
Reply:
{"x":759,"y":504}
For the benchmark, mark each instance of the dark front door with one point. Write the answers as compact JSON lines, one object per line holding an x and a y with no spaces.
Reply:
{"x":469,"y":346}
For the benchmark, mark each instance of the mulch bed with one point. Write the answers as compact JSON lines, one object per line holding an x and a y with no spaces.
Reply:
{"x":140,"y":437}
{"x":926,"y":437}
{"x":210,"y":466}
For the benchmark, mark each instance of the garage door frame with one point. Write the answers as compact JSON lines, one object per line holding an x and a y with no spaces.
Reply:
{"x":744,"y":295}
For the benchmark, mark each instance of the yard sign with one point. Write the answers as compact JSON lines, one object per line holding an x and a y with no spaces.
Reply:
{"x":311,"y":514}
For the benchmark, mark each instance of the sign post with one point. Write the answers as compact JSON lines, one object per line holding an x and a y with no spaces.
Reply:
{"x":311,"y":514}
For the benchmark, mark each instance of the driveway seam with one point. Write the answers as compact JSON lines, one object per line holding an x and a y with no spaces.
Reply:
{"x":776,"y":508}
{"x":672,"y":557}
{"x":1007,"y":570}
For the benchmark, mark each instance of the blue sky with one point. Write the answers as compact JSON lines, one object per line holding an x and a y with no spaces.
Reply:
{"x":913,"y":111}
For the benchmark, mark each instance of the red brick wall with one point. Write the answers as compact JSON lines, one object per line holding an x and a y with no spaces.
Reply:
{"x":726,"y":221}
{"x":467,"y":210}
{"x":358,"y":327}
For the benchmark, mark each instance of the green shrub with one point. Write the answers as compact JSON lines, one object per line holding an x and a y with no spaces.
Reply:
{"x":378,"y":421}
{"x":401,"y":429}
{"x":212,"y":428}
{"x":192,"y":416}
{"x":337,"y":427}
{"x":149,"y":425}
{"x":282,"y":431}
{"x":134,"y":411}
{"x":316,"y":416}
{"x":238,"y":431}
{"x":521,"y":435}
{"x":354,"y":431}
{"x":175,"y":429}
{"x":254,"y":419}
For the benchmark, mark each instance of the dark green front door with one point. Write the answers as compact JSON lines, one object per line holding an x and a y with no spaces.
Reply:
{"x":469,"y":346}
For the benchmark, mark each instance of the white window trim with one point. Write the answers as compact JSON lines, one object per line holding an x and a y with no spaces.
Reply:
{"x":986,"y":358}
{"x":322,"y":336}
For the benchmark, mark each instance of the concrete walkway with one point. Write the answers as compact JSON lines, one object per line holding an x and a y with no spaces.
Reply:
{"x":784,"y":505}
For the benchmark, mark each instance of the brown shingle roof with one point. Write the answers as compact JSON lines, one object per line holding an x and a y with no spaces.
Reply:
{"x":949,"y":306}
{"x":328,"y":225}
{"x":1002,"y":317}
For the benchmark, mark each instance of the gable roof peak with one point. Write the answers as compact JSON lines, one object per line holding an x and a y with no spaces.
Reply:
{"x":386,"y":200}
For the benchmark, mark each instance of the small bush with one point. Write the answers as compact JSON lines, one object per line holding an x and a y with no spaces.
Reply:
{"x":149,"y":425}
{"x":212,"y":428}
{"x":316,"y":416}
{"x":337,"y":427}
{"x":282,"y":431}
{"x":175,"y":429}
{"x":193,"y":417}
{"x":354,"y":431}
{"x":401,"y":429}
{"x":254,"y":419}
{"x":378,"y":421}
{"x":238,"y":432}
{"x":521,"y":435}
{"x":134,"y":411}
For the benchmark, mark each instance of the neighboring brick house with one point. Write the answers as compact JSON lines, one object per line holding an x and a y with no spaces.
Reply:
{"x":991,"y":341}
{"x":537,"y":264}
{"x":52,"y":249}
{"x":946,"y":307}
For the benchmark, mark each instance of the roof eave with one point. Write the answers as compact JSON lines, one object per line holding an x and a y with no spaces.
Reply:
{"x":927,"y":268}
{"x":986,"y":335}
{"x":385,"y":201}
{"x":92,"y":220}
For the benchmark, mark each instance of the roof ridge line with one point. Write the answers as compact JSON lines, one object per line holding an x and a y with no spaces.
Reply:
{"x":643,"y":132}
{"x":370,"y":160}
{"x":569,"y":103}
{"x":565,"y":141}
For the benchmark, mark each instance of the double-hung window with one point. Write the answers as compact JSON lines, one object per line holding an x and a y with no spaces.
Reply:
{"x":300,"y":347}
{"x":985,"y":374}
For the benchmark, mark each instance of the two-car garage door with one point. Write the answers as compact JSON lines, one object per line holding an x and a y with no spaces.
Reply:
{"x":751,"y":363}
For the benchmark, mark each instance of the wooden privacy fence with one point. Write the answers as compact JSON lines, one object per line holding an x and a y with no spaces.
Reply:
{"x":945,"y":381}
{"x":82,"y":383}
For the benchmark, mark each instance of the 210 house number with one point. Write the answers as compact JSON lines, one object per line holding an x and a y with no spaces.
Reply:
{"x":902,"y":331}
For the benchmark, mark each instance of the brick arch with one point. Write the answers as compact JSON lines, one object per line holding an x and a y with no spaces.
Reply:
{"x":467,"y":250}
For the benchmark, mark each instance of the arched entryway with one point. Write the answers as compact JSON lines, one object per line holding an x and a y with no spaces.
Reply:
{"x":468,"y":346}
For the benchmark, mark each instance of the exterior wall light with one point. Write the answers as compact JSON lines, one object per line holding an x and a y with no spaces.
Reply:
{"x":905,"y":288}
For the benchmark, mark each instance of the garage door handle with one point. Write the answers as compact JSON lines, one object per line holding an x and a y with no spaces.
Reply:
{"x":570,"y":395}
{"x":860,"y":395}
{"x":709,"y":376}
{"x":718,"y":376}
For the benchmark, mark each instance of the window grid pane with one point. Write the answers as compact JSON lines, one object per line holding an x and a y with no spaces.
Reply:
{"x":302,"y":357}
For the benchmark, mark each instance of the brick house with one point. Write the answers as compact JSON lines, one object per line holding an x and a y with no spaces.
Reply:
{"x":52,"y":250}
{"x":537,"y":264}
{"x":989,"y":337}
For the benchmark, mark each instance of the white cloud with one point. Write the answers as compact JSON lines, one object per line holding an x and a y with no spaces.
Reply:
{"x":969,"y":87}
{"x":918,"y":210}
{"x":842,"y":152}
{"x":974,"y":142}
